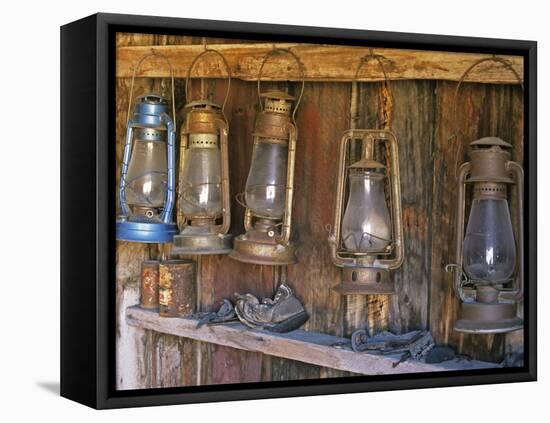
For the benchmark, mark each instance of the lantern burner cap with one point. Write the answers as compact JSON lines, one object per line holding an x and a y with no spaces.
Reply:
{"x":278,"y":95}
{"x":152,"y":99}
{"x":367,"y":164}
{"x":490,"y":142}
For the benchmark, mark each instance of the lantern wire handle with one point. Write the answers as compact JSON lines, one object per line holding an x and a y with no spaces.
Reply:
{"x":371,"y":56}
{"x":272,"y":53}
{"x":496,"y":59}
{"x":228,"y":69}
{"x":136,"y":68}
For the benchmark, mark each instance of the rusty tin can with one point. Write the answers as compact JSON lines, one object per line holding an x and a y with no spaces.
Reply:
{"x":177,"y":293}
{"x":149,"y":289}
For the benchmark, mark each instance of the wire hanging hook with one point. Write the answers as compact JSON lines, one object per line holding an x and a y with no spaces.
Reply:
{"x":227,"y":68}
{"x":136,"y":68}
{"x":371,"y":56}
{"x":455,"y":134}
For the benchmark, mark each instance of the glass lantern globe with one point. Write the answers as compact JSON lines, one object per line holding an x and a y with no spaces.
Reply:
{"x":366,"y":226}
{"x":266,"y":182}
{"x":201,"y":179}
{"x":147,"y":175}
{"x":489,"y":246}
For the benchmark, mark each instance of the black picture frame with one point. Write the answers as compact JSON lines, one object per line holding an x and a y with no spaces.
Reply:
{"x":88,"y":210}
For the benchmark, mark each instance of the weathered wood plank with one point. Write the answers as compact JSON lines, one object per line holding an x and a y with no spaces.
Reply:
{"x":321,"y":62}
{"x":322,"y":119}
{"x":413,"y":124}
{"x":308,"y":347}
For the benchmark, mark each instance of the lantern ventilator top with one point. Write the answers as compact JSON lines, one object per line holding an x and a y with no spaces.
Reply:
{"x":148,"y":110}
{"x":278,"y":102}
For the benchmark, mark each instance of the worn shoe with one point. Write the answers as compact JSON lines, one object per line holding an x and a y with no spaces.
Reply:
{"x":283,"y":313}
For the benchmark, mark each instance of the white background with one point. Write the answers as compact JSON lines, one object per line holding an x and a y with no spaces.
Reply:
{"x":29,"y":192}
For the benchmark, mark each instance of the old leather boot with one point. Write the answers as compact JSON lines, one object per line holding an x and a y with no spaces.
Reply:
{"x":283,"y":313}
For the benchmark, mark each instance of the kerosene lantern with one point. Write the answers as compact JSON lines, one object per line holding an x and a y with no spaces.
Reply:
{"x":203,"y":192}
{"x":147,"y":180}
{"x":270,"y":183}
{"x":367,"y":236}
{"x":489,"y":268}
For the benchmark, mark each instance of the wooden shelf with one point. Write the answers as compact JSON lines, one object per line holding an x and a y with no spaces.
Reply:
{"x":321,"y":63}
{"x":305,"y":346}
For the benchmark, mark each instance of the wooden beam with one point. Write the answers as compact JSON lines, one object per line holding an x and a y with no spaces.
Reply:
{"x":305,"y":346}
{"x":321,"y":63}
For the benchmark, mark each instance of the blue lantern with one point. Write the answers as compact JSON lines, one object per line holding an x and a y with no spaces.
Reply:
{"x":147,"y":180}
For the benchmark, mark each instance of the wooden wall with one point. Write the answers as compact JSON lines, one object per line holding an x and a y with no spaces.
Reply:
{"x":422,"y":121}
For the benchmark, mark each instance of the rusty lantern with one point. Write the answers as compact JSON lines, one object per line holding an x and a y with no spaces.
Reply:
{"x":367,"y":238}
{"x":147,"y":179}
{"x":203,"y":191}
{"x":489,"y":275}
{"x":270,"y":184}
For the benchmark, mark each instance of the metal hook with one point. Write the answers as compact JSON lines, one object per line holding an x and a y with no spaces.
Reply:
{"x":387,"y":122}
{"x":227,"y":67}
{"x":493,"y":58}
{"x":136,"y":68}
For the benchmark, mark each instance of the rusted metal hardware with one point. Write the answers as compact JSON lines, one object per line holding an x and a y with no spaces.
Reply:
{"x":149,"y":289}
{"x":415,"y":344}
{"x":355,"y":280}
{"x":177,"y":290}
{"x":205,"y":130}
{"x":267,"y":237}
{"x":488,"y":306}
{"x":283,"y":313}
